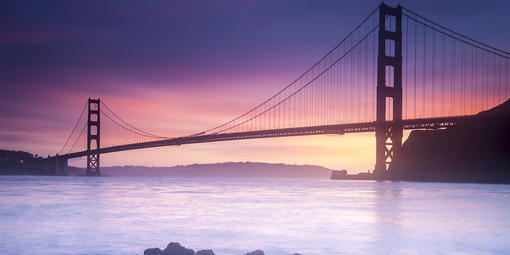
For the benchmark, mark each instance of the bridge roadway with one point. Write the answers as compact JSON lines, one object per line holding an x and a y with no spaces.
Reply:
{"x":424,"y":123}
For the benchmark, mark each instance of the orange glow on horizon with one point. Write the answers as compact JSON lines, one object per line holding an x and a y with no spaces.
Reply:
{"x":353,"y":152}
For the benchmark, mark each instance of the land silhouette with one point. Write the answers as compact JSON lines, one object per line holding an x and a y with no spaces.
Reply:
{"x":477,"y":151}
{"x":24,"y":163}
{"x":226,"y":169}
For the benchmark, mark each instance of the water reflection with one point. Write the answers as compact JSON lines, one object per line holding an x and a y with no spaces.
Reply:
{"x":232,"y":216}
{"x":387,"y":200}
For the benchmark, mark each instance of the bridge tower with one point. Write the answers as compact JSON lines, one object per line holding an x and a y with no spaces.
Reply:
{"x":388,"y":131}
{"x":93,"y":137}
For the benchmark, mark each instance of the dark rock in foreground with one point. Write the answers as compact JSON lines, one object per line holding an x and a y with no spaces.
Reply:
{"x":257,"y":252}
{"x":205,"y":252}
{"x":176,"y":249}
{"x":152,"y":251}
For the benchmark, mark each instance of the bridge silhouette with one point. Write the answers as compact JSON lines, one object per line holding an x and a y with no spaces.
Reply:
{"x":396,"y":70}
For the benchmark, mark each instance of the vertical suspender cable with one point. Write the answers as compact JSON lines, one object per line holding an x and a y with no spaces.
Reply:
{"x":472,"y":71}
{"x":415,"y":62}
{"x":424,"y":69}
{"x":443,"y":67}
{"x":433,"y":66}
{"x":407,"y":69}
{"x":454,"y":106}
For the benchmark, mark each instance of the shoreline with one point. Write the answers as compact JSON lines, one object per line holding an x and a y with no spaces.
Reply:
{"x":349,"y":178}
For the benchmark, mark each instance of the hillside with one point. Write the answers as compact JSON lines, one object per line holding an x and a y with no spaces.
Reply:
{"x":20,"y":162}
{"x":475,"y":151}
{"x":229,"y":169}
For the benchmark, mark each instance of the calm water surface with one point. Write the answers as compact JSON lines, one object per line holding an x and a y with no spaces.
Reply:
{"x":125,"y":215}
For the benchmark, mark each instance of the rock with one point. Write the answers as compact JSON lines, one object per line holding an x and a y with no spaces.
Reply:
{"x":152,"y":251}
{"x":177,"y":249}
{"x":205,"y":252}
{"x":257,"y":252}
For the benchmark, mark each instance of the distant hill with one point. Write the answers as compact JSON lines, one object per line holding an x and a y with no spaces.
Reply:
{"x":475,"y":151}
{"x":229,"y":169}
{"x":20,"y":163}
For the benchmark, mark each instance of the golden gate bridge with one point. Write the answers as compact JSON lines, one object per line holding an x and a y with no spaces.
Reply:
{"x":396,"y":70}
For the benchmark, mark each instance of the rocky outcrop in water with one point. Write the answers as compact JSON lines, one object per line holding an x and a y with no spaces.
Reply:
{"x":176,"y":249}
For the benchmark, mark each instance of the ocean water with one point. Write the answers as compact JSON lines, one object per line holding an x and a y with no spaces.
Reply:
{"x":125,"y":215}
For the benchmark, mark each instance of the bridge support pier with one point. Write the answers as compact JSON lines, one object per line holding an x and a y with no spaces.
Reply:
{"x":57,"y":165}
{"x":51,"y":165}
{"x":61,"y":166}
{"x":389,"y":129}
{"x":93,"y":138}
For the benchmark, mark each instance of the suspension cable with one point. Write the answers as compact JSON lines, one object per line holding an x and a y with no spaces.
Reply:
{"x":126,"y":128}
{"x":78,"y":138}
{"x":74,"y":128}
{"x":292,"y":83}
{"x":304,"y":86}
{"x":460,"y":39}
{"x":147,"y":134}
{"x":453,"y":32}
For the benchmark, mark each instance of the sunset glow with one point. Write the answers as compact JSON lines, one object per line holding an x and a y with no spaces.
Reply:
{"x":176,"y":74}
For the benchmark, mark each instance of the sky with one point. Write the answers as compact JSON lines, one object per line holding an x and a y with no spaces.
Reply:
{"x":179,"y":67}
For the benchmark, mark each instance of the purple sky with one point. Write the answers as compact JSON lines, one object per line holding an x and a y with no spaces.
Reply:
{"x":178,"y":67}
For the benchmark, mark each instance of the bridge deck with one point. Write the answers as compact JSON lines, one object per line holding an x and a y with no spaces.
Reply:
{"x":425,"y":123}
